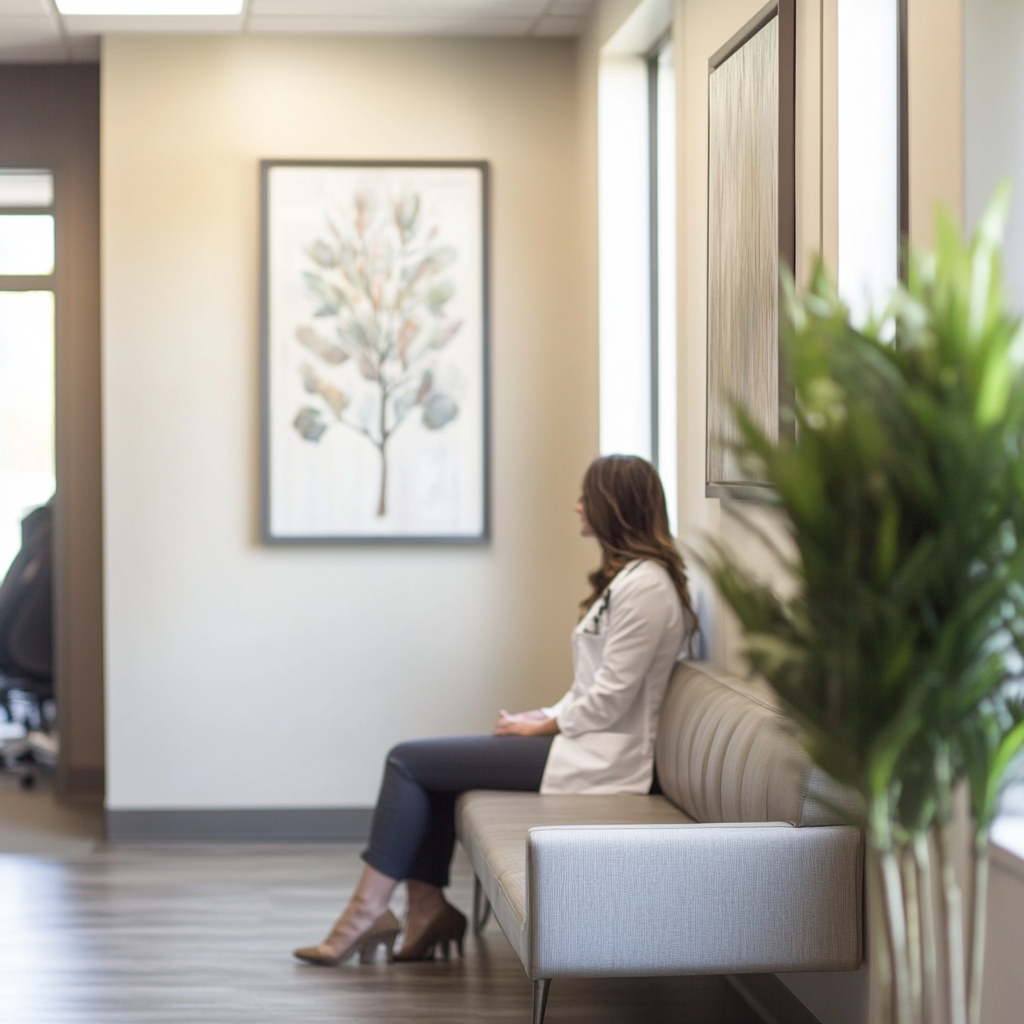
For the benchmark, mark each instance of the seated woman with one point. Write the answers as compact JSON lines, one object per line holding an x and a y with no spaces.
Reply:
{"x":599,"y":738}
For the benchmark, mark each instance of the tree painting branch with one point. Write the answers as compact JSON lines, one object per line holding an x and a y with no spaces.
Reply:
{"x":378,"y":285}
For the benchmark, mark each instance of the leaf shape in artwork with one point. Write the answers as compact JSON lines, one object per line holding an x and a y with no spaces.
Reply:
{"x":316,"y":385}
{"x":405,"y":402}
{"x":444,"y":256}
{"x":321,"y":346}
{"x":334,"y":397}
{"x":439,"y":410}
{"x":308,"y":423}
{"x":366,"y":209}
{"x":407,"y":210}
{"x":364,"y":334}
{"x":322,"y":254}
{"x":406,"y":333}
{"x":445,"y":333}
{"x":332,"y":297}
{"x":426,"y":386}
{"x":367,"y":368}
{"x":439,"y":295}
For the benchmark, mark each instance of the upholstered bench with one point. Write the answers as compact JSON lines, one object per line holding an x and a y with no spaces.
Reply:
{"x":743,"y":866}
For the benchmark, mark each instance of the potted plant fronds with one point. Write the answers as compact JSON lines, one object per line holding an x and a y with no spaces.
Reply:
{"x":902,"y":489}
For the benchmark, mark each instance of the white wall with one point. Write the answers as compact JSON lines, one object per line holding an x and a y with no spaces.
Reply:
{"x":242,"y":676}
{"x":994,"y":119}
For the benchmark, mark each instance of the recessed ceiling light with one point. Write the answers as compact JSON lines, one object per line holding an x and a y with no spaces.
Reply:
{"x":150,"y":8}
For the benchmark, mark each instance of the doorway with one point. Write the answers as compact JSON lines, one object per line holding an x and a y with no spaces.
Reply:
{"x":50,"y":382}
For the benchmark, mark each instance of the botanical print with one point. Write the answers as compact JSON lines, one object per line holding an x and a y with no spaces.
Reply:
{"x":379,"y":281}
{"x":374,"y":352}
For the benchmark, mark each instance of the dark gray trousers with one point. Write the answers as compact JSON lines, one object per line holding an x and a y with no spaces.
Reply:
{"x":413,"y":831}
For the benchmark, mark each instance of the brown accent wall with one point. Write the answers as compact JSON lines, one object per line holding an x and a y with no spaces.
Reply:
{"x":50,"y":117}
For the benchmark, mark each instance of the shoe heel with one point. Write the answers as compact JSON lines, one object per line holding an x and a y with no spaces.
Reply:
{"x":368,"y":952}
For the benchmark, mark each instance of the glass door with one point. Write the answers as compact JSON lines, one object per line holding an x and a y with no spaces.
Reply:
{"x":27,"y":331}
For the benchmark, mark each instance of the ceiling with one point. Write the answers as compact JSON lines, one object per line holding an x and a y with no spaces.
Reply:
{"x":33,"y":30}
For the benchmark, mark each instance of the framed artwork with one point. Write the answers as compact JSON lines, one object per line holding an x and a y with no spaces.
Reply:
{"x":751,"y":225}
{"x":374,"y":351}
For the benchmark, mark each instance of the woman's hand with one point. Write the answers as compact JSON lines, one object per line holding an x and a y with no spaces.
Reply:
{"x":525,"y":723}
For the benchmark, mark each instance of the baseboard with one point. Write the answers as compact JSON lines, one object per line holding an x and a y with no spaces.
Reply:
{"x":770,"y":999}
{"x":258,"y":824}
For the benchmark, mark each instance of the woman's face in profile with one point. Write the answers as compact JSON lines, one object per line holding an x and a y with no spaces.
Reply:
{"x":586,"y":530}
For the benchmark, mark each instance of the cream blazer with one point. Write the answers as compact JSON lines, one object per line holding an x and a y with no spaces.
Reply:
{"x":623,"y":652}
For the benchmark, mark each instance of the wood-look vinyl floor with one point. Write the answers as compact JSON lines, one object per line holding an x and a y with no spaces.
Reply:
{"x":187,"y":934}
{"x":31,"y":822}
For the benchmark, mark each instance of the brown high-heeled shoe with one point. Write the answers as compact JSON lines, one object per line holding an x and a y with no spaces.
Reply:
{"x":382,"y":932}
{"x":447,"y":927}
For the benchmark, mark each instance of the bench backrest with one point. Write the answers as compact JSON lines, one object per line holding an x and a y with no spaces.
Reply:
{"x":724,"y":753}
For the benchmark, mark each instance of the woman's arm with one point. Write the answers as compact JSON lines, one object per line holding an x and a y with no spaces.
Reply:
{"x":526,"y":723}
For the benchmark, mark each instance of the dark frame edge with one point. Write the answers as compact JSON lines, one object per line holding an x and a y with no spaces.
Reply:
{"x":785,"y":10}
{"x":786,"y":191}
{"x":264,"y":481}
{"x":903,"y":136}
{"x":266,"y":537}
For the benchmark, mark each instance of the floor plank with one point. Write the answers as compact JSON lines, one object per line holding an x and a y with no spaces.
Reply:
{"x":189,"y":934}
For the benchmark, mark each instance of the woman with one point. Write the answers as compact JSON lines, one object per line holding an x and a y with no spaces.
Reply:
{"x":599,"y":738}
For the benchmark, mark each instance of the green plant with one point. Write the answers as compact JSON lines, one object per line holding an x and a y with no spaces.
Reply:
{"x":903,"y":494}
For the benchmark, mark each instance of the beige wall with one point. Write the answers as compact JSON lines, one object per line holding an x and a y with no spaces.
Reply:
{"x":935,"y":63}
{"x":242,"y":676}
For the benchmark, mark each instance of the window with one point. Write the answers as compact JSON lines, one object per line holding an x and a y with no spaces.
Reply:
{"x":662,"y":100}
{"x":869,"y":171}
{"x":637,"y":252}
{"x":27,"y":331}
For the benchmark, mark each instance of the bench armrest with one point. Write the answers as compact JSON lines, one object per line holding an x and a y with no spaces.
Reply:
{"x":693,"y":899}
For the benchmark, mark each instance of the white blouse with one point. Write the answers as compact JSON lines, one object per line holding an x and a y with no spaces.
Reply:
{"x":623,"y":650}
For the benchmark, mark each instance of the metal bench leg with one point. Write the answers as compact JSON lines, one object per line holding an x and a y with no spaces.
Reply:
{"x":540,"y":999}
{"x":481,"y":907}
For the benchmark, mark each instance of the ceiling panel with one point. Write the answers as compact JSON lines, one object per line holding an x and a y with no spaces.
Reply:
{"x":91,"y":25}
{"x":33,"y":38}
{"x":30,"y":29}
{"x":560,"y":26}
{"x":404,"y":26}
{"x":418,"y":10}
{"x":570,"y":7}
{"x":39,"y":8}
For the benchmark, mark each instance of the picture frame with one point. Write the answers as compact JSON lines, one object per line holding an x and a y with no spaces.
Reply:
{"x":751,"y":231}
{"x":374,"y":325}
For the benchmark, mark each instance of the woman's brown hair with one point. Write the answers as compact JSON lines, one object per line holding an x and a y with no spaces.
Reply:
{"x":624,"y":503}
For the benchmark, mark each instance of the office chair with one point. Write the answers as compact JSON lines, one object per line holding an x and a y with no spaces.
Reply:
{"x":26,"y":652}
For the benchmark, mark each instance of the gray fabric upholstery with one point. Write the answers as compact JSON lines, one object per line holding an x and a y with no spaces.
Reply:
{"x":718,"y":876}
{"x":693,"y":899}
{"x":493,"y":828}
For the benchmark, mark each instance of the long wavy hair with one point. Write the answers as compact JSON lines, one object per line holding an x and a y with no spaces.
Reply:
{"x":624,"y":503}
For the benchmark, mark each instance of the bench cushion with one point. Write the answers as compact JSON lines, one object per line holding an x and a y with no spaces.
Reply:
{"x":493,"y":826}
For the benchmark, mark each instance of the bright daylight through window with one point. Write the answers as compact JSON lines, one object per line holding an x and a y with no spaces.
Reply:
{"x":637,"y":251}
{"x":27,"y":319}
